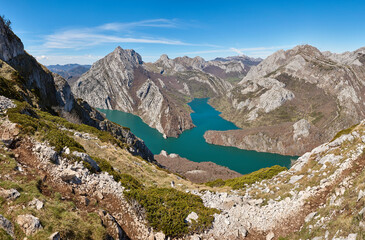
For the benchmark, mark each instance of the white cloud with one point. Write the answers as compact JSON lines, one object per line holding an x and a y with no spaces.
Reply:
{"x":39,"y":58}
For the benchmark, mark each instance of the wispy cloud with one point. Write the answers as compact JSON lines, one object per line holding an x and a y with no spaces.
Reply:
{"x":116,"y":32}
{"x":78,"y":39}
{"x":157,"y":23}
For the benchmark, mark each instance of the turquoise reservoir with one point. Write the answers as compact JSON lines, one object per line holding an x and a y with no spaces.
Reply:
{"x":191,"y":143}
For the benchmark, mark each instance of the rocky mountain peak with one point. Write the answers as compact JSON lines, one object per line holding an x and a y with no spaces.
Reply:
{"x":127,"y":55}
{"x":307,"y":50}
{"x":10,"y":45}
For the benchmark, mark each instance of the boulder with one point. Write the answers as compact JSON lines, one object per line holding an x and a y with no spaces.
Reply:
{"x":9,"y":194}
{"x":6,"y":225}
{"x":36,"y":203}
{"x":85,"y":157}
{"x":29,"y":223}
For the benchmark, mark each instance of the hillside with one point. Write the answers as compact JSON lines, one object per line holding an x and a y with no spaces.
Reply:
{"x":300,"y":95}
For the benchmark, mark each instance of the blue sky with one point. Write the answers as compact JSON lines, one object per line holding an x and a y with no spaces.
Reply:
{"x":84,"y":31}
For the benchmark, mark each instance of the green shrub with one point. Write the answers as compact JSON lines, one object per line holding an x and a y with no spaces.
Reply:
{"x":239,"y":182}
{"x":129,"y":182}
{"x":59,"y":140}
{"x":216,"y":183}
{"x":167,"y":208}
{"x":264,"y":173}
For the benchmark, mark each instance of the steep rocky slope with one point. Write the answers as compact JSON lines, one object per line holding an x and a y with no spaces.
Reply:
{"x":24,"y":79}
{"x":157,"y":92}
{"x":300,"y":95}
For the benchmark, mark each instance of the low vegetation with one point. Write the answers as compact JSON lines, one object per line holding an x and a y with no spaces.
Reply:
{"x":167,"y":208}
{"x":240,"y":182}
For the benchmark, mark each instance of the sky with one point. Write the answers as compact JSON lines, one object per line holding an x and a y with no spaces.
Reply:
{"x":61,"y":32}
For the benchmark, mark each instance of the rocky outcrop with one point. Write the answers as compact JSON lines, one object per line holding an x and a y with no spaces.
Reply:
{"x":285,"y":90}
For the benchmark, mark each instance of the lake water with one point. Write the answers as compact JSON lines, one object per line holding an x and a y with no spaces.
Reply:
{"x":191,"y":143}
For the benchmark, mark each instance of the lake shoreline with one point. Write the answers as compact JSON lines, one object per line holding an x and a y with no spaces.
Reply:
{"x":192,"y":145}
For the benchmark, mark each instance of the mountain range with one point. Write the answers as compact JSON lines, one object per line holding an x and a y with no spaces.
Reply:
{"x":289,"y":96}
{"x":70,"y":72}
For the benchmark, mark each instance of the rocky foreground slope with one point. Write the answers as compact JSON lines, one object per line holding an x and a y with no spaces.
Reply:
{"x":301,"y":96}
{"x":157,"y":92}
{"x":87,"y":180}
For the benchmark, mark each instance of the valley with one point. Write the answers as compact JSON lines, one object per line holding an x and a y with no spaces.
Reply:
{"x":183,"y":148}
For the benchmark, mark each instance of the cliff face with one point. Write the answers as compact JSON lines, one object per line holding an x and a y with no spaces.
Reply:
{"x":307,"y":94}
{"x":34,"y":83}
{"x":120,"y":82}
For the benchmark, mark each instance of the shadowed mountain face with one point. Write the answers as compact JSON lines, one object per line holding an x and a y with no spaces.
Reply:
{"x":70,"y":72}
{"x":300,"y":96}
{"x":157,"y":92}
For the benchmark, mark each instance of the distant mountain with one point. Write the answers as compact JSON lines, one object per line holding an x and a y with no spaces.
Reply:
{"x":71,"y":72}
{"x":241,"y":58}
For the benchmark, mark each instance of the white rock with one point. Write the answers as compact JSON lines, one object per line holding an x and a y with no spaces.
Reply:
{"x":36,"y":203}
{"x":191,"y":216}
{"x":295,"y":178}
{"x":270,"y":236}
